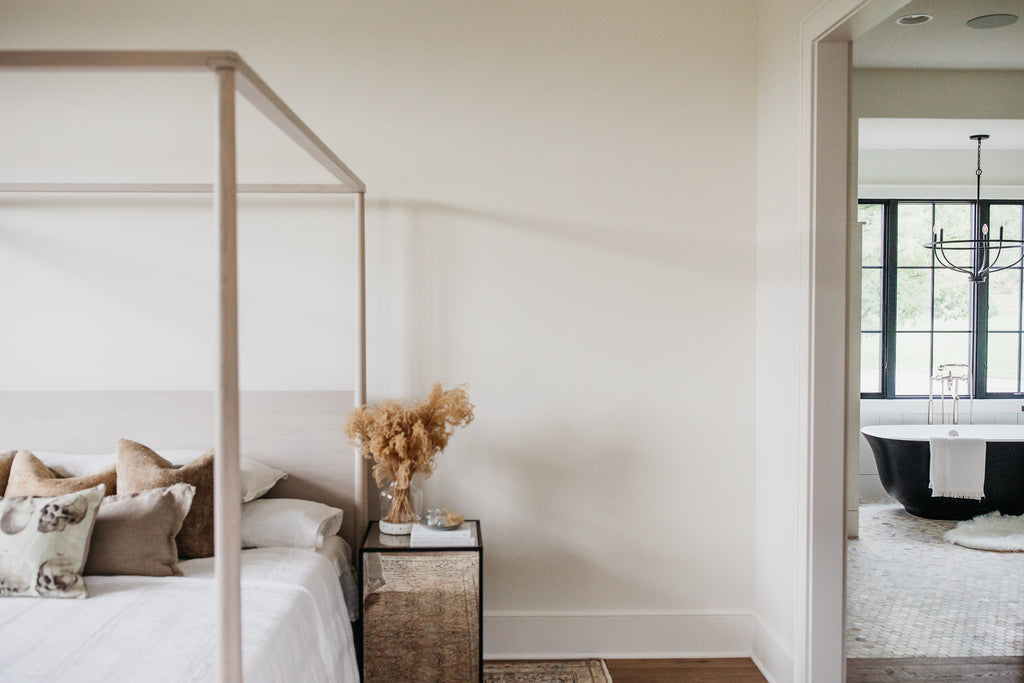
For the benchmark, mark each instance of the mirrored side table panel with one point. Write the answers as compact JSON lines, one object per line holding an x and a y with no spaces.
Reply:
{"x":422,"y":607}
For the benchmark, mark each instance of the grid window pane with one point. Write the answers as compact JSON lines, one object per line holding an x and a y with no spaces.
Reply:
{"x":1004,"y":300}
{"x":913,"y":299}
{"x":954,"y":220}
{"x":1007,"y":216}
{"x":914,"y":230}
{"x":871,"y":363}
{"x":952,"y":301}
{"x":1003,"y":355}
{"x":871,"y":299}
{"x":871,"y":234}
{"x":934,"y":309}
{"x":952,"y":348}
{"x":912,"y":363}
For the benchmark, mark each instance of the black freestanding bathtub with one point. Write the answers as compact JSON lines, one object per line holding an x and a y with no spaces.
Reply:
{"x":901,"y":454}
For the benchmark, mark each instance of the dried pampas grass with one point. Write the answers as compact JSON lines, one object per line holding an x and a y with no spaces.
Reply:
{"x":405,"y":439}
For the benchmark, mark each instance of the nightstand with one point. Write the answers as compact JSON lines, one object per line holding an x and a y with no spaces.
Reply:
{"x":422,"y":608}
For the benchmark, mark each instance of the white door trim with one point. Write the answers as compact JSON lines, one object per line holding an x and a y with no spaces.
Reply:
{"x":824,"y":215}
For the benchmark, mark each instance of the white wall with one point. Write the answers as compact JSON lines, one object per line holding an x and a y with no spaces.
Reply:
{"x":798,"y":572}
{"x":936,"y":93}
{"x":778,"y":344}
{"x":561,"y":214}
{"x":903,"y":173}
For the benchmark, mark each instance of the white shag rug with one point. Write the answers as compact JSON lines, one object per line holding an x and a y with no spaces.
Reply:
{"x":990,"y":532}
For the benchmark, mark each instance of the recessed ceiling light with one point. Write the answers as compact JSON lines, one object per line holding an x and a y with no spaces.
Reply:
{"x":914,"y":19}
{"x":993,"y":21}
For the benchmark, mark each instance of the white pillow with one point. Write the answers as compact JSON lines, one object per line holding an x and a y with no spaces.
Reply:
{"x":257,"y":478}
{"x":44,"y":543}
{"x":75,"y":465}
{"x":288,"y":522}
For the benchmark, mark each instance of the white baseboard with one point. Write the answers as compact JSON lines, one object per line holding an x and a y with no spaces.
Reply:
{"x":616,"y":634}
{"x":774,"y":661}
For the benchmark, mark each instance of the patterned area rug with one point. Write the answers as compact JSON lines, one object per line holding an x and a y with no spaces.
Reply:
{"x":561,"y":671}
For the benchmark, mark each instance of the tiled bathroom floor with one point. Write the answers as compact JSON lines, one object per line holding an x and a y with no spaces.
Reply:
{"x":911,"y":594}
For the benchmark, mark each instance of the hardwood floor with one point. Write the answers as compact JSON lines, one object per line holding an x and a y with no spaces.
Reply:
{"x":935,"y":669}
{"x":996,"y":669}
{"x":738,"y":670}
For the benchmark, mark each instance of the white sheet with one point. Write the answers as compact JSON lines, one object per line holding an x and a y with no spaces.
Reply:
{"x":338,"y":551}
{"x":135,"y":628}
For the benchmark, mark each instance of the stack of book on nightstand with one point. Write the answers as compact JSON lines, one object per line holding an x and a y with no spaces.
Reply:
{"x":428,"y":537}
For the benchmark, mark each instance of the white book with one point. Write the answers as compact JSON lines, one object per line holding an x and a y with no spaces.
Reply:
{"x":440,"y":542}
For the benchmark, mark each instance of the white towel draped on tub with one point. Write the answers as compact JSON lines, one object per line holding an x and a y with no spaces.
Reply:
{"x":957,"y":468}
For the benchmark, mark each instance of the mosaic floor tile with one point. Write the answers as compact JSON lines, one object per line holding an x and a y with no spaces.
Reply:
{"x":911,"y":594}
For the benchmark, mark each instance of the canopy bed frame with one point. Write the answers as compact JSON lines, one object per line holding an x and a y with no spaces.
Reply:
{"x":232,"y":75}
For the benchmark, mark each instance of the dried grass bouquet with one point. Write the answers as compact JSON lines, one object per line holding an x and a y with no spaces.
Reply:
{"x":405,"y":439}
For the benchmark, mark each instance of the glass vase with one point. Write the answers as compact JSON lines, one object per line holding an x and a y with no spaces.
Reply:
{"x":399,"y":509}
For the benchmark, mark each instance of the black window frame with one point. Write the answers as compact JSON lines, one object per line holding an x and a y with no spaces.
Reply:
{"x":979,"y":327}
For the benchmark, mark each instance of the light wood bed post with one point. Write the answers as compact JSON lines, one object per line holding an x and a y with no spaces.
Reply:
{"x":227,"y":480}
{"x":360,"y":380}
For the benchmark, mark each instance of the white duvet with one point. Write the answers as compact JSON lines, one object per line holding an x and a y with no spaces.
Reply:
{"x":295,"y":626}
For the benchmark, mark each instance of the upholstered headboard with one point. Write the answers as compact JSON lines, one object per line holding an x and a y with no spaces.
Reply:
{"x":300,"y":432}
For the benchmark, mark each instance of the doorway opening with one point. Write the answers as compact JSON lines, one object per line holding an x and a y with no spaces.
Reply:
{"x":913,"y":601}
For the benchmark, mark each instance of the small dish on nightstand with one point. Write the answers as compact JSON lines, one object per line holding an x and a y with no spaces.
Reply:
{"x":442,"y":519}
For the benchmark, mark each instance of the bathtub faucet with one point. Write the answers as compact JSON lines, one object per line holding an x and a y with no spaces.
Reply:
{"x":950,"y":381}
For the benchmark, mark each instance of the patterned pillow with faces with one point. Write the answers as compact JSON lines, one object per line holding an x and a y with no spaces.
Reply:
{"x":44,"y":543}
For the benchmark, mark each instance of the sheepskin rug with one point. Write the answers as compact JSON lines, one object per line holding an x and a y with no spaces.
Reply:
{"x":993,"y":531}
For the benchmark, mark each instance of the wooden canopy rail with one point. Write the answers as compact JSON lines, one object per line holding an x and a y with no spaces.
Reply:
{"x":232,"y":75}
{"x":171,"y":188}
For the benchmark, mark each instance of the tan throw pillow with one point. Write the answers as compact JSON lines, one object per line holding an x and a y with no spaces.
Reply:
{"x":5,"y":469}
{"x":44,"y":542}
{"x":135,"y":532}
{"x":139,"y":468}
{"x":30,"y":477}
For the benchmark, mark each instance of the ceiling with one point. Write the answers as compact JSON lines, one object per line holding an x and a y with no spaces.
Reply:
{"x":877,"y":133}
{"x":945,"y":42}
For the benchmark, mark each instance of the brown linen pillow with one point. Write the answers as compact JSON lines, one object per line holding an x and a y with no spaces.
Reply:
{"x":5,"y":469}
{"x":135,"y":532}
{"x":30,"y":477}
{"x":140,"y":468}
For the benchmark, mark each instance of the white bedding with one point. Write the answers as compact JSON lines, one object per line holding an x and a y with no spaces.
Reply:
{"x":295,"y":626}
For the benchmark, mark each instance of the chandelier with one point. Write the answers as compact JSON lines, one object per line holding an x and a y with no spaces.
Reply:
{"x":982,"y":253}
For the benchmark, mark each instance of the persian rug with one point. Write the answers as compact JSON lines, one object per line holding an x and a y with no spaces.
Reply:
{"x":1003,"y":533}
{"x":557,"y":671}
